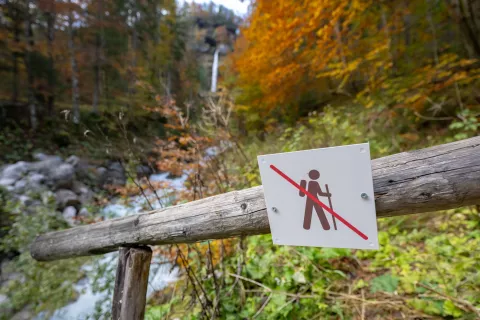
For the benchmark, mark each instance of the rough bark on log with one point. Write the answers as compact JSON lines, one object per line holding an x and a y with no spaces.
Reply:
{"x":131,"y":280}
{"x":437,"y":178}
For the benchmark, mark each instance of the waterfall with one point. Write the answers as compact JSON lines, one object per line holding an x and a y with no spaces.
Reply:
{"x":214,"y":71}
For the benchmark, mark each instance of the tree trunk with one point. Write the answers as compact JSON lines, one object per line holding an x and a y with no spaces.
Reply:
{"x":15,"y":86}
{"x":73,"y":63}
{"x":407,"y":24}
{"x":133,"y":48}
{"x":32,"y":104}
{"x":467,"y":15}
{"x":157,"y":74}
{"x":433,"y":29}
{"x":50,"y":17}
{"x":98,"y":59}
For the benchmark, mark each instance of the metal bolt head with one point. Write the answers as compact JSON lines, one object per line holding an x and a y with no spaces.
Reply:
{"x":274,"y":209}
{"x":364,"y":195}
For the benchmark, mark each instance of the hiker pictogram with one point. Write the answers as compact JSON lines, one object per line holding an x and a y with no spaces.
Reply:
{"x":297,"y":186}
{"x":313,"y":187}
{"x":315,"y":199}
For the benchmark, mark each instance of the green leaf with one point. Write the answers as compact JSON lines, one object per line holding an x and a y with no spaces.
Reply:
{"x":386,"y":283}
{"x":450,"y":309}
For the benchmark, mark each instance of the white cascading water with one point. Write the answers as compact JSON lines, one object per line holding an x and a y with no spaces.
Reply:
{"x":215,"y":71}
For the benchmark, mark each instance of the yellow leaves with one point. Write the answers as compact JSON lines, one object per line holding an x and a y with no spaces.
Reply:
{"x":379,"y":49}
{"x":412,"y":137}
{"x":293,"y":48}
{"x":413,"y":98}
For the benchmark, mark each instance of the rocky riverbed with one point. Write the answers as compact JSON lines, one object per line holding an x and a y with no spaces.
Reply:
{"x":72,"y":181}
{"x":74,"y":184}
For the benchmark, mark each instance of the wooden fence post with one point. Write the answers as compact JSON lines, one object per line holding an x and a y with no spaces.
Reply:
{"x":131,"y":281}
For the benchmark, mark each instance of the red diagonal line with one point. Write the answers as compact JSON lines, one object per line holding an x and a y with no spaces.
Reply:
{"x":336,"y":215}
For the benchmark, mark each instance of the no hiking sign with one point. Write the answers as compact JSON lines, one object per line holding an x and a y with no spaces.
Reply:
{"x":321,"y":197}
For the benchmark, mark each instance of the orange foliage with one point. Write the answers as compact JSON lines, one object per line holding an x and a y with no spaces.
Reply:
{"x":374,"y":51}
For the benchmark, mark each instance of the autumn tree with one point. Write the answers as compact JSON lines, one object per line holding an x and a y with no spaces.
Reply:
{"x":295,"y":57}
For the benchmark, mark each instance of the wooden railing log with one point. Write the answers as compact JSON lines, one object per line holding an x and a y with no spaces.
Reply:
{"x":437,"y":178}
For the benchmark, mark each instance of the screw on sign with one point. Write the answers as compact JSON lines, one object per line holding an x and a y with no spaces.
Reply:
{"x":302,"y":215}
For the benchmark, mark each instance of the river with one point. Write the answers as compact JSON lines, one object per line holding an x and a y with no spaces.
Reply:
{"x":92,"y":301}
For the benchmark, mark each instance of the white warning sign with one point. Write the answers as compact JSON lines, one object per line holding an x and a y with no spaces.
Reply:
{"x":321,"y":197}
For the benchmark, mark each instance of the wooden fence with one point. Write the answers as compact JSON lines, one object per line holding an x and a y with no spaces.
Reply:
{"x":436,"y":178}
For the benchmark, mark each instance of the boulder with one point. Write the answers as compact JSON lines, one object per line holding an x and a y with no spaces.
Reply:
{"x":101,"y":174}
{"x":69,"y":214}
{"x":85,"y":171}
{"x":23,"y":315}
{"x":39,"y":156}
{"x":85,"y":195}
{"x":25,"y":200}
{"x":20,"y":186}
{"x":143,"y":171}
{"x":47,"y":166}
{"x":83,"y":213}
{"x":29,"y":184}
{"x":6,"y":182}
{"x":73,"y":160}
{"x":5,"y":305}
{"x":15,"y":171}
{"x":3,"y":298}
{"x":62,"y":176}
{"x":35,"y":178}
{"x":115,"y":166}
{"x":65,"y":198}
{"x":223,"y":49}
{"x":115,"y":175}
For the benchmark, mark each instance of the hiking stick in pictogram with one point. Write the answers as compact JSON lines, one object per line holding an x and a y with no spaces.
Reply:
{"x":331,"y":207}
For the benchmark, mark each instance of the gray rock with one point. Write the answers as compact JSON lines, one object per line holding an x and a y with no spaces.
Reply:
{"x":46,"y":166}
{"x":83,"y":213}
{"x":85,"y":195}
{"x":3,"y":298}
{"x":36,"y":178}
{"x":15,"y":171}
{"x":73,"y":160}
{"x":101,"y":171}
{"x":62,"y":176}
{"x":5,"y":306}
{"x":20,"y":186}
{"x":39,"y":156}
{"x":65,"y":198}
{"x":143,"y":171}
{"x":34,"y":182}
{"x":69,"y":214}
{"x":25,"y":200}
{"x":101,"y":175}
{"x":223,"y":49}
{"x":5,"y":182}
{"x":115,"y":175}
{"x":115,"y":166}
{"x":23,"y":315}
{"x":79,"y":187}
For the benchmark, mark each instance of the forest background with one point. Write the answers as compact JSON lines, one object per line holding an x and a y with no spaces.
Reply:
{"x":136,"y":82}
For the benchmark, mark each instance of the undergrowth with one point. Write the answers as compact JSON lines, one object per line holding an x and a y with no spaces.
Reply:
{"x":426,"y":266}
